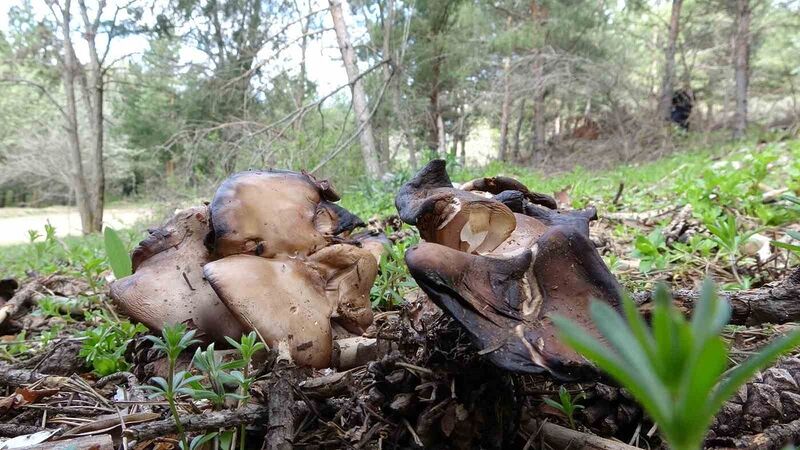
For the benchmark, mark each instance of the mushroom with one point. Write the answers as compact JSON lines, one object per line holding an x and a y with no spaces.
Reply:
{"x":519,"y":203}
{"x":349,"y":272}
{"x":496,"y":185}
{"x":283,"y":299}
{"x":452,"y":217}
{"x":503,"y":296}
{"x":504,"y":300}
{"x":271,"y":213}
{"x":167,"y":285}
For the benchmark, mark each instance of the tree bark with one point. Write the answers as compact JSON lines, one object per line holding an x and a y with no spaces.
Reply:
{"x":505,"y":110}
{"x":741,"y":63}
{"x":96,"y":94}
{"x":665,"y":101}
{"x":360,"y":106}
{"x":199,"y":422}
{"x":774,"y":303}
{"x":518,"y":131}
{"x":68,"y":73}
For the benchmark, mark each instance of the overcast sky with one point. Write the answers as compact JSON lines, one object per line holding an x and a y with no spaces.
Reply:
{"x":323,"y":58}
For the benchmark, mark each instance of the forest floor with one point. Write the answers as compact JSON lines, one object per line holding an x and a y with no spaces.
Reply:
{"x":731,"y":213}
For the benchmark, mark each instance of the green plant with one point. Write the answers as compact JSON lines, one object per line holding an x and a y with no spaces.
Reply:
{"x":393,"y":278}
{"x":566,"y":404}
{"x":651,"y":251}
{"x":104,"y":345}
{"x":248,"y":346}
{"x":677,"y":370}
{"x":174,"y":340}
{"x":726,"y":234}
{"x":116,"y":254}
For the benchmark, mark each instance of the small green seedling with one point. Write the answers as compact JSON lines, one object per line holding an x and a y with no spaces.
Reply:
{"x":677,"y":370}
{"x":174,"y":340}
{"x":568,"y":405}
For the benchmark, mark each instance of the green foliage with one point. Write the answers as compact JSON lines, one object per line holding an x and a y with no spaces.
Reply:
{"x":104,"y":346}
{"x":393,"y":278}
{"x":651,"y":251}
{"x":174,"y":340}
{"x":566,"y":404}
{"x":794,"y":248}
{"x":678,"y":370}
{"x":117,"y":254}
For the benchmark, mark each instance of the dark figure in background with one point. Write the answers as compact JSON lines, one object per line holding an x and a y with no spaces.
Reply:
{"x":682,"y":103}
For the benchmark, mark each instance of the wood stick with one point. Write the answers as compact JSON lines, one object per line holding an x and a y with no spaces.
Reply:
{"x":557,"y":436}
{"x":774,"y":303}
{"x":14,"y":429}
{"x":228,"y":418}
{"x":18,"y":377}
{"x":280,"y":422}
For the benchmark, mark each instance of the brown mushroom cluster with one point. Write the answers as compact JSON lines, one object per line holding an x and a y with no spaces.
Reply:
{"x":272,"y":252}
{"x":500,"y":259}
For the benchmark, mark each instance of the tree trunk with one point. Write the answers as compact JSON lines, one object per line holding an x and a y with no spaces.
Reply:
{"x":459,"y":137}
{"x":741,"y":62}
{"x":505,"y":110}
{"x":387,"y":19}
{"x":68,"y":71}
{"x":665,"y":101}
{"x":360,"y":105}
{"x":518,"y":131}
{"x":96,"y":95}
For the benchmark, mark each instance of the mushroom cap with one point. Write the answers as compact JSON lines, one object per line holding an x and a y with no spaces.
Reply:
{"x":271,"y":213}
{"x":517,"y":202}
{"x":525,"y":235}
{"x":283,"y":299}
{"x":496,"y":185}
{"x":349,"y":273}
{"x":168,"y":287}
{"x":373,"y":241}
{"x":504,"y":301}
{"x":453,"y":217}
{"x":332,"y":219}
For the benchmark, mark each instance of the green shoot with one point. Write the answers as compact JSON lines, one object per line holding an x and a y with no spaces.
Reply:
{"x":567,"y":405}
{"x":677,"y":370}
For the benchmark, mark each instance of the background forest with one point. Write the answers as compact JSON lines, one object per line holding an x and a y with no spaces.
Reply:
{"x":161,"y":99}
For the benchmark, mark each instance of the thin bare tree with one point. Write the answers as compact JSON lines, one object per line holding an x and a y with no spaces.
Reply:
{"x":360,"y":106}
{"x":668,"y":80}
{"x":741,"y":65}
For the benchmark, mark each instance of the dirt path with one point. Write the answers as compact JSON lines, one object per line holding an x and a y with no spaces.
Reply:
{"x":15,"y":222}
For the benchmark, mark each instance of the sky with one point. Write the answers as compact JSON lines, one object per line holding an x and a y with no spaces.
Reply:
{"x":323,"y":60}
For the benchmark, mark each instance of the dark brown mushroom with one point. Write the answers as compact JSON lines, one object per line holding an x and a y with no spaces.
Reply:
{"x":283,"y":299}
{"x":272,"y":213}
{"x":504,"y":301}
{"x":503,"y":296}
{"x":519,"y":203}
{"x":452,"y":217}
{"x":332,"y":219}
{"x":496,"y":185}
{"x":168,"y":286}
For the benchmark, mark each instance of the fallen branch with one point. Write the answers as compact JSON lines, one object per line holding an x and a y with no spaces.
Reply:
{"x":280,"y":420}
{"x":774,"y":303}
{"x":19,"y":301}
{"x":556,"y":436}
{"x":18,"y":377}
{"x":228,"y":418}
{"x":14,"y":430}
{"x":773,"y":438}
